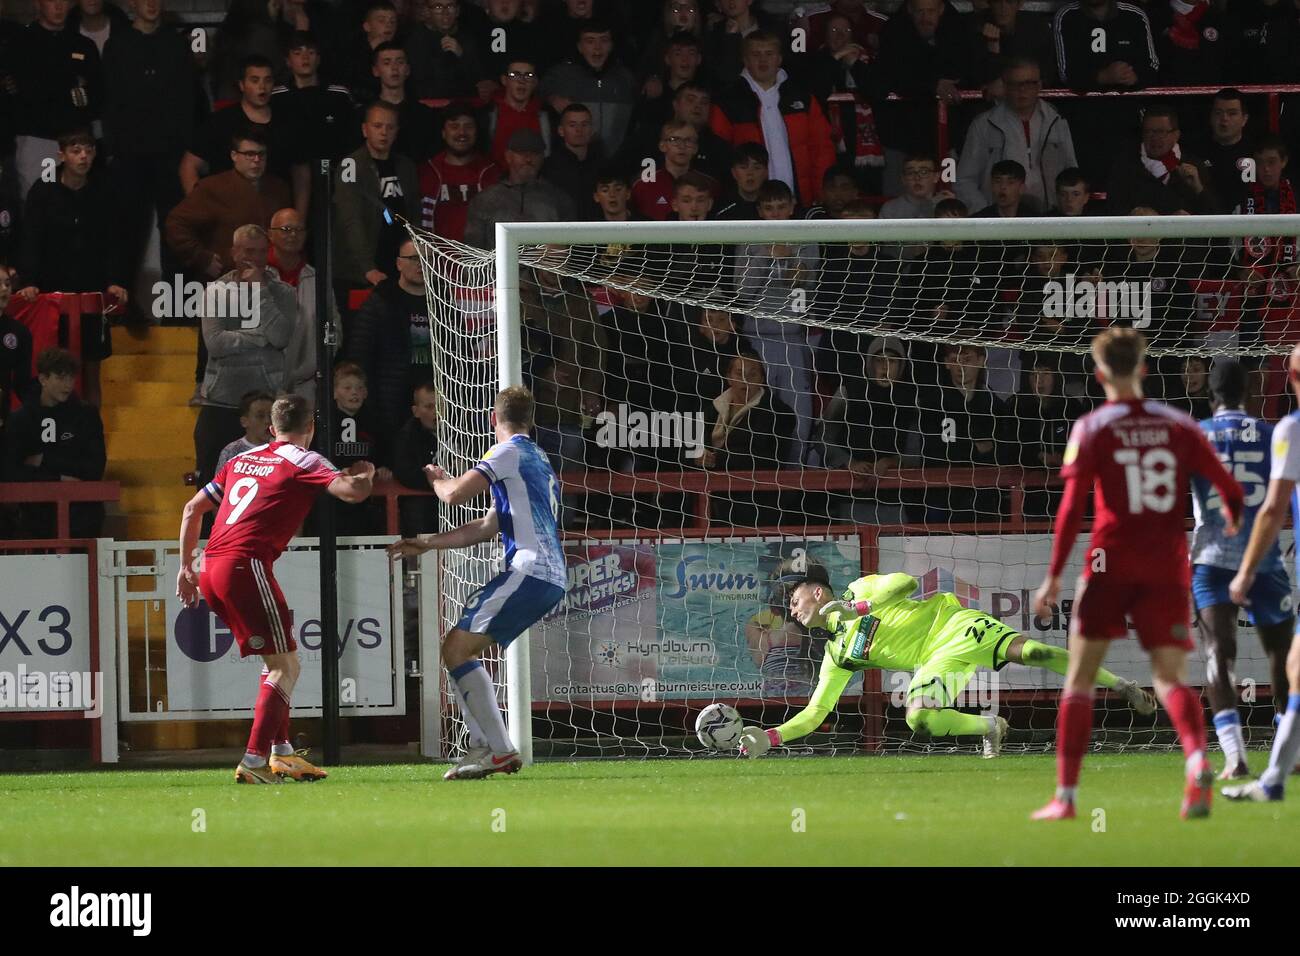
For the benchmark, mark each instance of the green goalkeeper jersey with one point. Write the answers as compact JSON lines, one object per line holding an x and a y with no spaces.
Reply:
{"x":896,"y":635}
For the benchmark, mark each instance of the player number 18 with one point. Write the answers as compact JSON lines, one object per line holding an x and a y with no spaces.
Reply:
{"x":1150,"y":478}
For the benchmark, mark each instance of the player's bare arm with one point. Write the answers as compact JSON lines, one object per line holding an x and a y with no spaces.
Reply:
{"x":455,"y":491}
{"x":355,"y":484}
{"x":479,"y":530}
{"x":187,"y":581}
{"x":1268,"y":523}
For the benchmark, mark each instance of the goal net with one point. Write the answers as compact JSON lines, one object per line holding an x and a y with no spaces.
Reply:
{"x":733,"y":407}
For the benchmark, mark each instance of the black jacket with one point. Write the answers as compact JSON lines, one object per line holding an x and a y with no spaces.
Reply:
{"x":575,"y":177}
{"x":360,"y":437}
{"x":15,"y":365}
{"x":760,"y":441}
{"x":149,"y":92}
{"x":57,"y":72}
{"x":68,"y":244}
{"x":77,"y":448}
{"x":880,"y":420}
{"x":1130,"y":184}
{"x":380,"y":342}
{"x":438,"y":73}
{"x":1128,"y":40}
{"x":414,"y":446}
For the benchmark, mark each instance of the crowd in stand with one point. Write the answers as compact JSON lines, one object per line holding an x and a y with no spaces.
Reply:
{"x":455,"y":115}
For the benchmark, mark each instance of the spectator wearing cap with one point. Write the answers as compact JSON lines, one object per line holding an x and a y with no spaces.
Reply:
{"x":595,"y":79}
{"x":323,"y":118}
{"x":446,"y":62}
{"x":521,"y":197}
{"x":417,"y":124}
{"x":365,"y":245}
{"x":452,"y":178}
{"x":517,"y":106}
{"x":766,"y":106}
{"x":1022,"y":127}
{"x":1160,"y":173}
{"x":575,"y":159}
{"x":748,"y":174}
{"x":60,"y":87}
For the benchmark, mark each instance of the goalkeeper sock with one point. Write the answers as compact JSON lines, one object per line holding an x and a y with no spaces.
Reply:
{"x":476,"y":738}
{"x":1057,"y":660}
{"x":479,"y":699}
{"x":947,"y":723}
{"x":1073,"y":731}
{"x":1227,"y":727}
{"x":1286,"y":745}
{"x":1184,"y":706}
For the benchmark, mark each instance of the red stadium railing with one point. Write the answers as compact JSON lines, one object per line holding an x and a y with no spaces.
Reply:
{"x":61,"y":494}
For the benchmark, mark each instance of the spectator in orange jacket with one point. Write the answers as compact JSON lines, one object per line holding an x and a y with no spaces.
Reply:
{"x":765,"y":106}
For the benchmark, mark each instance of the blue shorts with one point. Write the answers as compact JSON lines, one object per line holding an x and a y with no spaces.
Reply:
{"x":1270,"y":595}
{"x":508,"y":605}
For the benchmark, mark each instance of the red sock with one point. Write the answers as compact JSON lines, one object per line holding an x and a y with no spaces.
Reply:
{"x":281,"y":735}
{"x":1184,"y":706}
{"x":272,"y":709}
{"x":1073,"y":731}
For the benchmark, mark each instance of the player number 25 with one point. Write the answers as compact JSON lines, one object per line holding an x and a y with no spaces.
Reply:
{"x":241,"y":495}
{"x":1252,"y":482}
{"x":1150,"y":478}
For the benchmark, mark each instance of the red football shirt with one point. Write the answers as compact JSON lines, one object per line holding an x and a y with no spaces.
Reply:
{"x":1140,"y":456}
{"x":262,"y":497}
{"x":446,"y":189}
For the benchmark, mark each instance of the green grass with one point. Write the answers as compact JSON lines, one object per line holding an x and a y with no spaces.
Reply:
{"x":859,"y":811}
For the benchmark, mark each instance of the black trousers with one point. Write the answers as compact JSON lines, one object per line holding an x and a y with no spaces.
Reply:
{"x":216,"y":428}
{"x":143,"y":182}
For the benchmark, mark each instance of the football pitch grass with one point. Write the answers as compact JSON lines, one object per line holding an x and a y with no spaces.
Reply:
{"x":857,"y":811}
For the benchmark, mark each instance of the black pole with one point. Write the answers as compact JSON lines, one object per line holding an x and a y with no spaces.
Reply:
{"x":323,"y":194}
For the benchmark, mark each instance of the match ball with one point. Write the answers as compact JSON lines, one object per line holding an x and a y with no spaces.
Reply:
{"x":718,"y":726}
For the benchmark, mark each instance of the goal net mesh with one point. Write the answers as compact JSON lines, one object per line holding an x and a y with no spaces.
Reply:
{"x":729,"y":418}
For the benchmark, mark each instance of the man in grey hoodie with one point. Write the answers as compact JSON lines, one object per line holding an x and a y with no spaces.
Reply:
{"x":1021,"y":127}
{"x":520,"y":197}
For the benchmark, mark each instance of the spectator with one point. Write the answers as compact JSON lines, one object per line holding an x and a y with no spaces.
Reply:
{"x":881,"y":417}
{"x":594,"y":79}
{"x":867,"y":23}
{"x":355,"y":65}
{"x":857,"y":284}
{"x":563,"y":26}
{"x":446,"y":61}
{"x":54,"y":436}
{"x":766,"y":106}
{"x":575,"y":159}
{"x":11,"y":206}
{"x":680,"y":65}
{"x":1039,"y":426}
{"x":248,"y":30}
{"x":210,"y":152}
{"x":149,"y":82}
{"x":68,"y":246}
{"x":724,"y":39}
{"x":60,"y":87}
{"x":640,"y":338}
{"x":415,"y":121}
{"x":520,"y":197}
{"x":701,"y":361}
{"x":1005,"y":32}
{"x":773,"y":279}
{"x":955,"y":283}
{"x":516,"y":107}
{"x":11,"y":37}
{"x":842,"y":67}
{"x":255,"y":420}
{"x":201,"y":228}
{"x":1282,"y":43}
{"x":695,"y":269}
{"x":746,"y":428}
{"x":1193,"y":41}
{"x":1126,"y":58}
{"x":15,"y":355}
{"x":693,"y":103}
{"x":1008,"y":192}
{"x":839,"y":188}
{"x":1161,"y":174}
{"x":323,"y":118}
{"x":96,"y":21}
{"x":504,"y":36}
{"x":288,"y":235}
{"x":921,"y":190}
{"x":1073,"y":196}
{"x":748,"y":174}
{"x":414,"y":447}
{"x":390,"y":338}
{"x":680,"y":26}
{"x":1228,"y":146}
{"x":1191,"y":392}
{"x":452,"y":178}
{"x":246,"y":354}
{"x":653,"y":196}
{"x":366,"y":245}
{"x":1021,"y":127}
{"x":613,"y":196}
{"x":1271,"y":192}
{"x":925,"y":54}
{"x":359,"y":436}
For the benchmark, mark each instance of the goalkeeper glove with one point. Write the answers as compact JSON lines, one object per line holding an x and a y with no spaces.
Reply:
{"x":756,"y":741}
{"x":848,"y":610}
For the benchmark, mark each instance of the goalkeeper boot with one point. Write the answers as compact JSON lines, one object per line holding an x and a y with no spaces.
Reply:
{"x":472,"y":758}
{"x":1198,"y":793}
{"x":262,"y":774}
{"x":294,"y":766}
{"x":490,"y":764}
{"x":994,"y":738}
{"x":1255,"y":792}
{"x":1057,"y":809}
{"x":1141,"y":700}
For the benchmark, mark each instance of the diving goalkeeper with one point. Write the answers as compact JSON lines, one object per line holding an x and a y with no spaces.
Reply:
{"x":877,"y":624}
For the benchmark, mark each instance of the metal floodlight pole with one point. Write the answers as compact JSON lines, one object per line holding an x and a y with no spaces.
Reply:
{"x":323,"y":193}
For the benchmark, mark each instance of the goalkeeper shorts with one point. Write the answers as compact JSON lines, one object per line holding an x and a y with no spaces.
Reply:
{"x":969,"y":640}
{"x":1270,"y":595}
{"x":508,"y":605}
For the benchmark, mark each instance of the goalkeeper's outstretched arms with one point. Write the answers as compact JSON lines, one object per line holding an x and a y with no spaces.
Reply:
{"x":755,"y":741}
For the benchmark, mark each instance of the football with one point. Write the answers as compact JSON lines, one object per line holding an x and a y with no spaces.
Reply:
{"x":718,"y":726}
